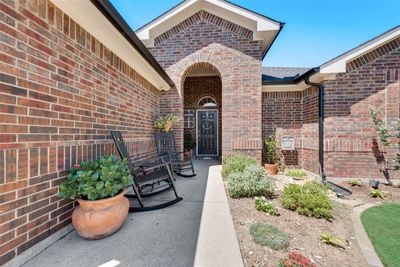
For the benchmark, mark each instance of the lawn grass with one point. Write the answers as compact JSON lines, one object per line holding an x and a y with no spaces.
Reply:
{"x":382,"y":224}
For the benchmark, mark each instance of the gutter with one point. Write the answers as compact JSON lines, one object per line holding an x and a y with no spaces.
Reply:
{"x":113,"y":16}
{"x":293,"y":80}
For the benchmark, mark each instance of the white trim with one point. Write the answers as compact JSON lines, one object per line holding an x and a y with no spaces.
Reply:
{"x":301,"y":86}
{"x":204,"y":97}
{"x":90,"y":18}
{"x":338,"y":65}
{"x":264,"y":29}
{"x":197,"y":133}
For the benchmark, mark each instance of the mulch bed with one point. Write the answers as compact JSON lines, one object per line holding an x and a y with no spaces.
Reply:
{"x":304,"y":232}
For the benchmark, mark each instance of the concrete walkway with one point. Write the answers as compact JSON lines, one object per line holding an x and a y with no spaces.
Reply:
{"x":166,"y":237}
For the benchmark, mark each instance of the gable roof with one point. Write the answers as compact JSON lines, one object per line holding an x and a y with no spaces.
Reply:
{"x":263,"y":27}
{"x":338,"y":64}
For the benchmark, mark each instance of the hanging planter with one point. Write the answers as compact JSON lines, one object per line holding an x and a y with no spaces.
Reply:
{"x":166,"y":123}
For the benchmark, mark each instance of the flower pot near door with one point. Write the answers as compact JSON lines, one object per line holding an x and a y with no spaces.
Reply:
{"x":271,"y":169}
{"x":100,"y":218}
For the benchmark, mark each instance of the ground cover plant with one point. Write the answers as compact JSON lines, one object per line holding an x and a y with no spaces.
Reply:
{"x":310,"y":199}
{"x":297,"y":173}
{"x":263,"y":205}
{"x":355,"y":182}
{"x":332,"y":240}
{"x":236,"y":163}
{"x":295,"y":259}
{"x":382,"y":226}
{"x":250,"y":183}
{"x":376,"y":193}
{"x":267,"y":235}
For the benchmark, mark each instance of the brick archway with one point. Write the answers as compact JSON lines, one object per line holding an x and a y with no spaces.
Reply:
{"x":241,"y":93}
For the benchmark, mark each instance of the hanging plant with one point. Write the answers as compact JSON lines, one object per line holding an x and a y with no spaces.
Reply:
{"x":166,"y":123}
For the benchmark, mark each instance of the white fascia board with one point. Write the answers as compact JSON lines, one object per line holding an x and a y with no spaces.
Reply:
{"x":301,"y":86}
{"x":338,"y":65}
{"x":261,"y":26}
{"x":93,"y":21}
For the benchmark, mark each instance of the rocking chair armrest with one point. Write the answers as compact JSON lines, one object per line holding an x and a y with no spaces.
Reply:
{"x":152,"y":166}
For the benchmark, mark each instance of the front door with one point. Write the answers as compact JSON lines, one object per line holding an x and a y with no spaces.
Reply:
{"x":207,"y":132}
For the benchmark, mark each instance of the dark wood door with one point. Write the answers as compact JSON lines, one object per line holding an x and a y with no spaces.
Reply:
{"x":207,"y":132}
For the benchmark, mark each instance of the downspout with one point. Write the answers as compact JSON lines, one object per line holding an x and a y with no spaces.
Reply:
{"x":321,"y":107}
{"x":341,"y":192}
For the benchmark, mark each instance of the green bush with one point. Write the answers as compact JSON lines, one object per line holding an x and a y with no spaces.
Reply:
{"x":293,"y":172}
{"x":267,"y":207}
{"x":250,"y":183}
{"x":310,"y":199}
{"x":267,"y":235}
{"x":236,"y":163}
{"x":271,"y":152}
{"x":97,"y":179}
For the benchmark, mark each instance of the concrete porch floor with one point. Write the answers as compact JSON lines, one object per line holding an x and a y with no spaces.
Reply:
{"x":166,"y":237}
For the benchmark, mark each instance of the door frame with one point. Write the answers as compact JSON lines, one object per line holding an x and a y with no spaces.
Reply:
{"x":197,"y":133}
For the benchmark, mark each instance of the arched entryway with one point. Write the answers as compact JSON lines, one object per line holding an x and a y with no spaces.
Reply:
{"x":202,"y":104}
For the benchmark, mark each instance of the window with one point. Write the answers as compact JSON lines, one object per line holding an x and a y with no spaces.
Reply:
{"x":207,"y":102}
{"x":189,"y":118}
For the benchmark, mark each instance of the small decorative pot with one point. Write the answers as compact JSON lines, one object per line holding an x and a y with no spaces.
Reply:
{"x":374,"y":184}
{"x":271,"y":169}
{"x":100,"y":218}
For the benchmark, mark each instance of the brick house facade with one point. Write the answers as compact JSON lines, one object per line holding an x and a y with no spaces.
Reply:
{"x":66,"y":83}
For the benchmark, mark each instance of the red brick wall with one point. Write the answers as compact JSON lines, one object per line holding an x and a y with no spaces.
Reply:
{"x":230,"y":49}
{"x":61,"y":92}
{"x":196,"y":88}
{"x":372,"y":80}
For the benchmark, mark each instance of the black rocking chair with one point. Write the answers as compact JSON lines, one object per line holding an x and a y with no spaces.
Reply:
{"x":182,"y":164}
{"x":150,"y":179}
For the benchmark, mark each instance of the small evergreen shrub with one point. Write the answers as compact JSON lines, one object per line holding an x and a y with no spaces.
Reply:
{"x":250,"y":183}
{"x":267,"y":235}
{"x":297,"y":173}
{"x":236,"y":163}
{"x":310,"y":199}
{"x":267,"y":207}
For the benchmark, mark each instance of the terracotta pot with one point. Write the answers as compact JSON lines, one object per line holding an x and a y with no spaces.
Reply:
{"x":271,"y":169}
{"x":100,"y":218}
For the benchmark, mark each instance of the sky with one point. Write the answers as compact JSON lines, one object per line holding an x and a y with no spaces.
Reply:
{"x":315,"y":30}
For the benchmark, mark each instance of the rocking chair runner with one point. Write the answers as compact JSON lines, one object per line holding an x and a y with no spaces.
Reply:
{"x":150,"y":175}
{"x":166,"y":147}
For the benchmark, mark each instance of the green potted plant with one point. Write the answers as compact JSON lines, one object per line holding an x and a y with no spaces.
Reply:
{"x":189,"y":143}
{"x":166,"y":123}
{"x":99,"y":187}
{"x":271,"y":155}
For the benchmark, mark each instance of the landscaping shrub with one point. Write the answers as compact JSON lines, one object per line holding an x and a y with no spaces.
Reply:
{"x":263,"y":205}
{"x":355,"y":182}
{"x":250,"y":183}
{"x":267,"y":235}
{"x":376,"y":193}
{"x":295,"y":259}
{"x":298,"y":173}
{"x":236,"y":163}
{"x":310,"y":199}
